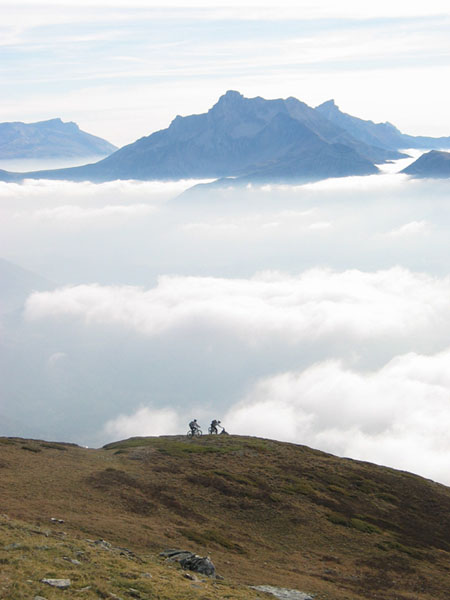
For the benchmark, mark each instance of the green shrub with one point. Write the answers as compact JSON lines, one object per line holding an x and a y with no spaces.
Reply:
{"x":338,"y":519}
{"x":363,"y":526}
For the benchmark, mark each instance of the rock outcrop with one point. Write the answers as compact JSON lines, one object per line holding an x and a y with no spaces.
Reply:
{"x":282,"y":593}
{"x":192,"y":562}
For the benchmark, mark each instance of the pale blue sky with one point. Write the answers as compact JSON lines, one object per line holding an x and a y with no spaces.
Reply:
{"x":124,"y":69}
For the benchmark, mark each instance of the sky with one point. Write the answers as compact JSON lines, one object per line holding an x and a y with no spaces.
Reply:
{"x":122,"y":70}
{"x":315,"y":314}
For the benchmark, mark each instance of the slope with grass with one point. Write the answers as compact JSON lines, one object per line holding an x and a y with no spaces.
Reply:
{"x":266,"y":512}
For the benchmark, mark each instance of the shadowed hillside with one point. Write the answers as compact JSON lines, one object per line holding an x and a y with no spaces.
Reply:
{"x":266,"y":512}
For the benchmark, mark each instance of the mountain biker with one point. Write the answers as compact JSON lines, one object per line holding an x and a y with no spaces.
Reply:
{"x":214,"y":425}
{"x":194,"y":426}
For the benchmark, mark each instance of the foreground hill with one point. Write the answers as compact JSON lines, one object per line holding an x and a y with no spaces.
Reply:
{"x":49,"y":139}
{"x":432,"y":164}
{"x":266,"y":512}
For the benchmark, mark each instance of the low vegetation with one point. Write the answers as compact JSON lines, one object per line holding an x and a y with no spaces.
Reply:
{"x":266,"y":512}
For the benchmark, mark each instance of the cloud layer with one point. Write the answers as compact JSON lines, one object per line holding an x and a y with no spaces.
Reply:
{"x":316,"y":314}
{"x":317,"y":304}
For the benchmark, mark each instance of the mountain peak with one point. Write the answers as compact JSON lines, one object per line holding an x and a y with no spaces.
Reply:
{"x":228,"y":100}
{"x":59,"y":124}
{"x":329,"y":104}
{"x":230,"y":95}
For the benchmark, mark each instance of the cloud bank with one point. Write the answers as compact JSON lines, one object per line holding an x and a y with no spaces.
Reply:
{"x":145,"y":421}
{"x":316,"y":314}
{"x":317,"y":304}
{"x":396,"y":415}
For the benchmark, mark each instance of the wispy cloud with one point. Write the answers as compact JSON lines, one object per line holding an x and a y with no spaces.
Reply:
{"x":409,"y":229}
{"x":63,"y":60}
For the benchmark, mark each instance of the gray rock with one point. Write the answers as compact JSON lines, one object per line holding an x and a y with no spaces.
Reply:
{"x":282,"y":593}
{"x":61,"y":584}
{"x":103,"y":544}
{"x":74,"y":561}
{"x":199,"y":564}
{"x":192,"y":562}
{"x":39,"y":598}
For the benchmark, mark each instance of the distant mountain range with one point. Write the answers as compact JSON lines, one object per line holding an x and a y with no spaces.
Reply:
{"x":383,"y":135}
{"x":432,"y":164}
{"x":252,"y":139}
{"x":49,"y":139}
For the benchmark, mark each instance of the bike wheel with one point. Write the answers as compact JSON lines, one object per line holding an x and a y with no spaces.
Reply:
{"x":198,"y":433}
{"x":189,"y":434}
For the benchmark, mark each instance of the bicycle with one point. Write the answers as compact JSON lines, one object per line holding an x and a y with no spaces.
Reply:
{"x":213,"y":431}
{"x":195,"y":433}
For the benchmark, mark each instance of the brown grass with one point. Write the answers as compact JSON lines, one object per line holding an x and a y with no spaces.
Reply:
{"x":266,"y":512}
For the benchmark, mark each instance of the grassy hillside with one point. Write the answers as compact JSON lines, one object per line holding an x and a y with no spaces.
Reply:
{"x":266,"y":512}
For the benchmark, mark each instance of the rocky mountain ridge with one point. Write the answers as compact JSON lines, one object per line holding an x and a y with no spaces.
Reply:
{"x":252,"y":139}
{"x":49,"y":139}
{"x":382,"y":135}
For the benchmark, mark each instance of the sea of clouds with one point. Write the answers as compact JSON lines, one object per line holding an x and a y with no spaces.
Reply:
{"x":317,"y":314}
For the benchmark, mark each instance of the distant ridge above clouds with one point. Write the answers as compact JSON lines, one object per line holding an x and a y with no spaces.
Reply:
{"x":251,"y":139}
{"x":382,"y":135}
{"x":49,"y":139}
{"x":434,"y":164}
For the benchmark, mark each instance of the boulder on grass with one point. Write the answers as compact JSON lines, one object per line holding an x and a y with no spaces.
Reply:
{"x":192,"y":562}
